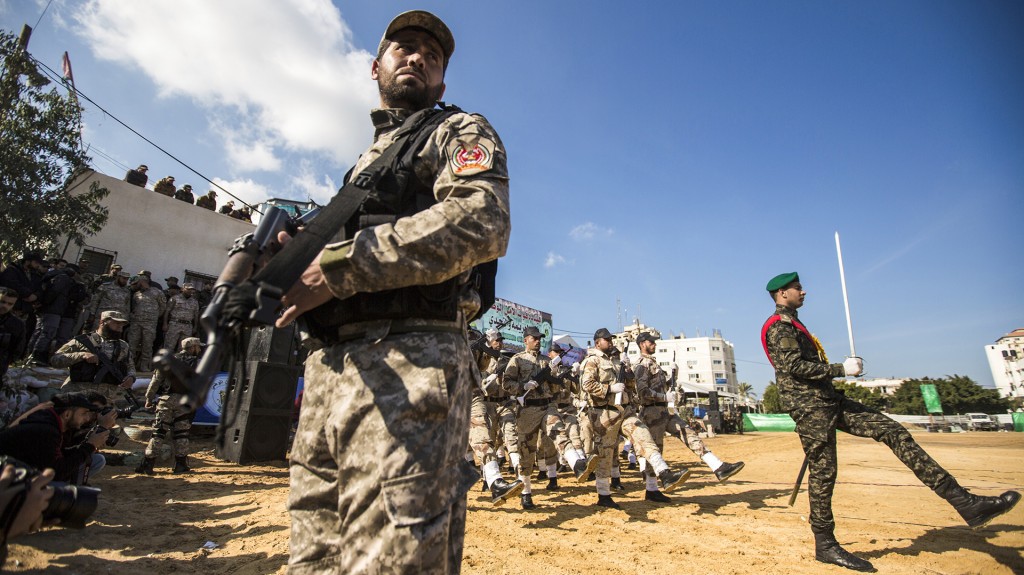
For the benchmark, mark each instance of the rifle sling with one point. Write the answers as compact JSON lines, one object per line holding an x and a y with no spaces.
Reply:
{"x":108,"y":364}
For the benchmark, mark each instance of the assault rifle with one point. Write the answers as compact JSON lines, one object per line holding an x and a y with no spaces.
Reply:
{"x":107,"y":364}
{"x":543,"y":375}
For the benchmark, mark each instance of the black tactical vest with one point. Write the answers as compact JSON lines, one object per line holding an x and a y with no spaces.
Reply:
{"x":85,"y":372}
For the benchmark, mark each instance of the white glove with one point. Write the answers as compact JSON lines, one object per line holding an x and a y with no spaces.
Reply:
{"x":579,"y":403}
{"x":624,"y":358}
{"x":617,"y":387}
{"x":555,"y":362}
{"x":576,"y":368}
{"x":853,"y":366}
{"x":530,"y":385}
{"x":489,"y":382}
{"x":670,"y":397}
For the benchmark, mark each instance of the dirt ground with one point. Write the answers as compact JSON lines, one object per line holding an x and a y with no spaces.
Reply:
{"x":160,"y":524}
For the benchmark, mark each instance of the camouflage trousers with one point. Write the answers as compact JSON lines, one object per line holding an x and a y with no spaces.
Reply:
{"x":607,"y":424}
{"x":507,"y":410}
{"x":176,"y":331}
{"x":660,"y":420}
{"x":173,"y":418}
{"x":113,"y":393}
{"x":141,"y":335}
{"x":572,"y":426}
{"x":378,"y":473}
{"x":587,"y":432}
{"x":481,"y":437}
{"x":533,"y":422}
{"x":855,"y":419}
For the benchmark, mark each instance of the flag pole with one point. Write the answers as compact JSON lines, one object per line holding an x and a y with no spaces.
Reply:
{"x":846,"y":299}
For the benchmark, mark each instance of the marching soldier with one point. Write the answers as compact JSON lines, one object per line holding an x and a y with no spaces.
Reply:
{"x":99,"y":361}
{"x":804,"y":377}
{"x":182,"y":316}
{"x":655,"y":397}
{"x":610,"y":412}
{"x":165,"y":393}
{"x":524,"y":378}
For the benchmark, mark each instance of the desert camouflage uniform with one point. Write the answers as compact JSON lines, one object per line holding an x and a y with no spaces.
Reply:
{"x":805,"y":386}
{"x":171,"y":415}
{"x":538,"y":413}
{"x":378,"y":473}
{"x":566,"y":409}
{"x":483,"y":418}
{"x":651,"y":386}
{"x":110,"y":296}
{"x":147,"y":309}
{"x":606,"y":419}
{"x":182,"y":316}
{"x":74,"y":351}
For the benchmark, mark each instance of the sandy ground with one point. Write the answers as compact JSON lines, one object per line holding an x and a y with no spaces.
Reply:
{"x":160,"y":524}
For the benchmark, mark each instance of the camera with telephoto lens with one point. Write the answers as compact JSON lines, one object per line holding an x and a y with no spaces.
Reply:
{"x":71,"y":504}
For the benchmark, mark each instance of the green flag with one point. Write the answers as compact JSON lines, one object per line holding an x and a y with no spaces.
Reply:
{"x":931,"y":398}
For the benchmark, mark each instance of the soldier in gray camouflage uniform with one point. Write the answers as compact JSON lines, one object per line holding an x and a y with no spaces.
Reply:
{"x":87,"y":372}
{"x":378,"y":473}
{"x":165,"y":393}
{"x":537,"y":414}
{"x":111,"y":296}
{"x":804,"y":377}
{"x":148,"y":306}
{"x":655,"y":397}
{"x":182,"y":316}
{"x":612,"y":411}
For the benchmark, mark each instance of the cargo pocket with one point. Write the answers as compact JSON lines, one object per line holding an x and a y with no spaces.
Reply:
{"x":418,"y":498}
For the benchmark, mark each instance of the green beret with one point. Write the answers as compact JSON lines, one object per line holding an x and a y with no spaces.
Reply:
{"x":782,"y":280}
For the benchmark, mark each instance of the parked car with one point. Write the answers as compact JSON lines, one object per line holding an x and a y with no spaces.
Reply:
{"x":981,"y":422}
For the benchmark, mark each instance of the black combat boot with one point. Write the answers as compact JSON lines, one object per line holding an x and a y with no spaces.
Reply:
{"x":607,"y":501}
{"x":552,"y":484}
{"x":670,"y":480}
{"x":181,"y":465}
{"x":727,"y":470}
{"x":146,"y":466}
{"x":527,"y":501}
{"x":502,"y":491}
{"x":617,"y":484}
{"x":501,"y":462}
{"x":632,"y":465}
{"x":827,"y":550}
{"x":542,"y":474}
{"x":656,"y":496}
{"x":483,"y":484}
{"x":584,"y":469}
{"x":976,"y":510}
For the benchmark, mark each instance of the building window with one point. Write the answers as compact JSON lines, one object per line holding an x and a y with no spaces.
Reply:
{"x":663,"y":363}
{"x":694,"y":377}
{"x":719,"y":375}
{"x":663,"y":350}
{"x":691,"y":349}
{"x":717,"y":362}
{"x":716,"y":348}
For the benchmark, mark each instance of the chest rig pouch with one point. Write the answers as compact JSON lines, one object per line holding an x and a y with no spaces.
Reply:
{"x":396,"y":192}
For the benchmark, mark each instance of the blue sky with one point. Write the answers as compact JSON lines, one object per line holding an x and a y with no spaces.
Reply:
{"x":671,"y":155}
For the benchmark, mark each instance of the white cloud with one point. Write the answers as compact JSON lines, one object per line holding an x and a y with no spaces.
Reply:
{"x":589,"y":231}
{"x":553,"y":260}
{"x":287,"y":69}
{"x":319,"y":188}
{"x":246,"y":190}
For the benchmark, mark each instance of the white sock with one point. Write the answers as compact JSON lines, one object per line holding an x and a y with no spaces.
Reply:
{"x":500,"y":452}
{"x":632,"y":456}
{"x":713,"y":462}
{"x":552,"y":471}
{"x":604,"y":486}
{"x":515,"y":460}
{"x":652,"y":483}
{"x":526,"y":483}
{"x":542,"y":464}
{"x":642,"y":463}
{"x":657,"y":462}
{"x":616,"y":473}
{"x":572,"y":456}
{"x":491,"y":472}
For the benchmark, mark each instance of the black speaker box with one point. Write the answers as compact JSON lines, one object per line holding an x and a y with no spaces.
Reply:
{"x":274,"y":345}
{"x":715,"y":420}
{"x":712,"y":401}
{"x":258,"y":423}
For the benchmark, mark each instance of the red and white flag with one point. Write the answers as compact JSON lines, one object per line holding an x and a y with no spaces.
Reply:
{"x":67,"y":69}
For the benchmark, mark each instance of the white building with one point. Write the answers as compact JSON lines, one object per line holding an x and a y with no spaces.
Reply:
{"x":701,"y":362}
{"x":147,"y":230}
{"x":886,"y":385}
{"x":1006,"y":360}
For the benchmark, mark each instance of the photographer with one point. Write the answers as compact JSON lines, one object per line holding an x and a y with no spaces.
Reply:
{"x":38,"y":439}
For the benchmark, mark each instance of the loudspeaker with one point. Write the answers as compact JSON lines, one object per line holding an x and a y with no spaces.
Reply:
{"x":272,"y":344}
{"x":712,"y":401}
{"x":715,"y":420}
{"x":259,"y":420}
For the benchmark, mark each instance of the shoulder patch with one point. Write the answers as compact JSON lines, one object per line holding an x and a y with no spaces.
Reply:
{"x":789,"y":343}
{"x":470,"y":154}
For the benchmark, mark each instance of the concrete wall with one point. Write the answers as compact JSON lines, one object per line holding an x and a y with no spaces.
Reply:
{"x":151,"y":231}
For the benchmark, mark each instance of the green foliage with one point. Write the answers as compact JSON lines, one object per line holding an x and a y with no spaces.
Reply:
{"x":771,"y":401}
{"x":872,"y":398}
{"x":746,"y":390}
{"x":959,"y":394}
{"x":40,"y":152}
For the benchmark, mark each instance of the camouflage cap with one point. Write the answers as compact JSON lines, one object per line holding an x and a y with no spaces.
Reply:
{"x":113,"y":315}
{"x":427,"y":21}
{"x":188,"y":286}
{"x":190,"y":341}
{"x":212,"y":193}
{"x":117,"y":266}
{"x":532,"y":331}
{"x":171,"y":279}
{"x":146,"y":273}
{"x":494,"y":335}
{"x":124,"y":275}
{"x":645,"y":336}
{"x":602,"y":333}
{"x":782,"y":280}
{"x":187,"y":187}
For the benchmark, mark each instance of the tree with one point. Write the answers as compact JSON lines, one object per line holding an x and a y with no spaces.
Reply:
{"x":770,"y":400}
{"x":747,"y":391}
{"x":40,"y":152}
{"x":869,"y":397}
{"x":958,"y":394}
